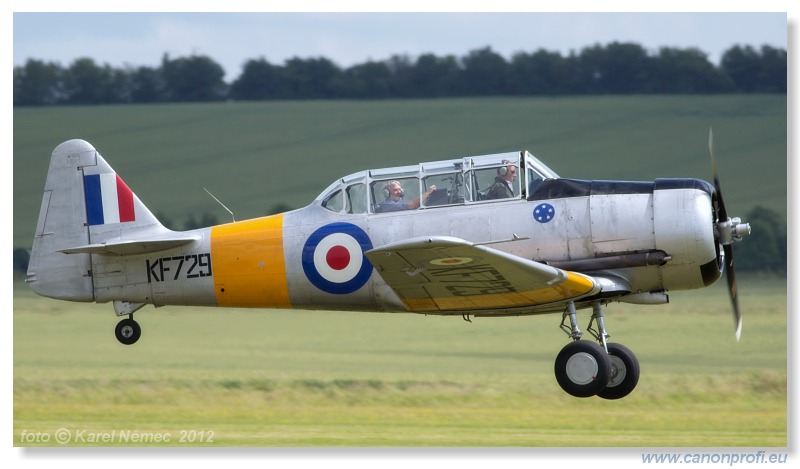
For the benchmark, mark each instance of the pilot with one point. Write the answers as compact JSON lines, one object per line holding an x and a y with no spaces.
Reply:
{"x":503,"y":186}
{"x":394,"y":198}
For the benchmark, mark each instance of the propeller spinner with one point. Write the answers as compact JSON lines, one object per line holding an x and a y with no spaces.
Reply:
{"x":727,"y":230}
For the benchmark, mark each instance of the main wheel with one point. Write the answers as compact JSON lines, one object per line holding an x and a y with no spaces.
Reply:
{"x":582,"y":368}
{"x":624,"y":372}
{"x":128,"y":331}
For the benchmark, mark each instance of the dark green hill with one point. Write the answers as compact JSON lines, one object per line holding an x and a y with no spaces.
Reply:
{"x":253,"y":156}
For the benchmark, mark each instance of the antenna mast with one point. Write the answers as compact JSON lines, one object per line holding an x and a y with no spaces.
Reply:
{"x":223,"y":205}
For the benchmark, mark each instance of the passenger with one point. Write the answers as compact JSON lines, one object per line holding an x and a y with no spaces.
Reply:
{"x":503,"y":186}
{"x":394,"y":198}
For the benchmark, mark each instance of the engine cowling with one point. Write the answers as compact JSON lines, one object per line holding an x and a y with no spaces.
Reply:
{"x":684,"y":228}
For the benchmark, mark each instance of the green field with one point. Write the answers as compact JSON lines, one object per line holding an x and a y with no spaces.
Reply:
{"x":254,"y":155}
{"x":319,"y":378}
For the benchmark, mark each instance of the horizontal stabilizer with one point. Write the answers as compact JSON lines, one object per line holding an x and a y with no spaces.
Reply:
{"x":129,"y":247}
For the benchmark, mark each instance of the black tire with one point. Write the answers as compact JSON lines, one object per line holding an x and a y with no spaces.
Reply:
{"x":128,"y":331}
{"x":582,"y":368}
{"x":624,"y":372}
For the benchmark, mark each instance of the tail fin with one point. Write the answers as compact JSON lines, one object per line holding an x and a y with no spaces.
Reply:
{"x":85,"y":206}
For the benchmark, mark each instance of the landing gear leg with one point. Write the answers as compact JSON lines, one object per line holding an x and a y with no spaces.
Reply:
{"x":128,"y":331}
{"x":573,"y":331}
{"x":600,"y":333}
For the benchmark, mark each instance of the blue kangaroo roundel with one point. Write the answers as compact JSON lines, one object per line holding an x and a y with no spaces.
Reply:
{"x":333,"y":258}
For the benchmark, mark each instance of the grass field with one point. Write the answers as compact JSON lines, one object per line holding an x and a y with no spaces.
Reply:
{"x":293,"y":378}
{"x":254,"y":155}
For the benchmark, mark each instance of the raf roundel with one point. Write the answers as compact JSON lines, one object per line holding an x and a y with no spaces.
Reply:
{"x":543,"y":213}
{"x":333,"y":258}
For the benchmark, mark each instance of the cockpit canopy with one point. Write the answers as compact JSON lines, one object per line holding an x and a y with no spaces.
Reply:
{"x":470,"y":180}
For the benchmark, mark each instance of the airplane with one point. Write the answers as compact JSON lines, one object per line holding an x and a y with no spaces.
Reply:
{"x":482,"y":236}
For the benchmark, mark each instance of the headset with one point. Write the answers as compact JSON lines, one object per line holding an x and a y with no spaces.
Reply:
{"x":503,"y":170}
{"x":386,"y":192}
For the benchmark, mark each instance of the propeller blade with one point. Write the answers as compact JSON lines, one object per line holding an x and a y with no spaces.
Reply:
{"x":730,"y":276}
{"x":722,"y":216}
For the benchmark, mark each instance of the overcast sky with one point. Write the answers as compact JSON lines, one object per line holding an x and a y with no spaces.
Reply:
{"x":230,"y":39}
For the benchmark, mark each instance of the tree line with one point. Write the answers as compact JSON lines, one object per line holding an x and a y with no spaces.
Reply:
{"x":614,"y":68}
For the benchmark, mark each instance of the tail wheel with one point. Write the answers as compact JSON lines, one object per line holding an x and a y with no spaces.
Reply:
{"x":583,"y":368}
{"x":128,"y":331}
{"x":624,"y":372}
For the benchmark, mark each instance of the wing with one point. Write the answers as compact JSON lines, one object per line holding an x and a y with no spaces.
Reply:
{"x":439,"y":274}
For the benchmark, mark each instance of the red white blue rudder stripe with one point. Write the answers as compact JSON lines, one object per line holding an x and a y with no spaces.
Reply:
{"x":108,"y":199}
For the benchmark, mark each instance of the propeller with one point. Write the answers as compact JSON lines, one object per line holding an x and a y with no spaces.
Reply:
{"x":728,"y":230}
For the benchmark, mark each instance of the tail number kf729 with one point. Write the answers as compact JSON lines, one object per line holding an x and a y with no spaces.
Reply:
{"x":179,"y":267}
